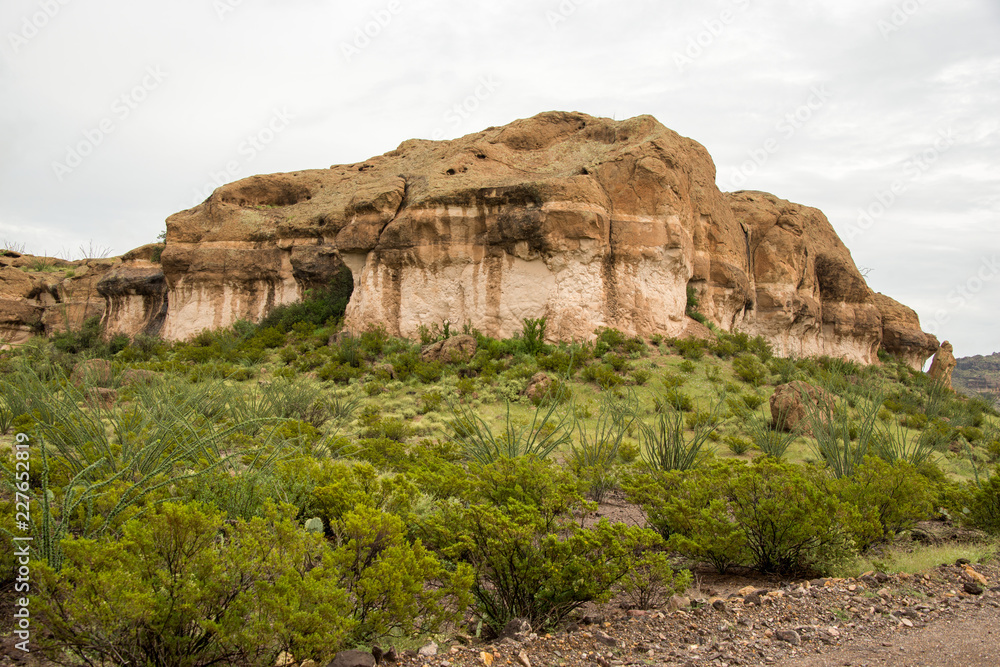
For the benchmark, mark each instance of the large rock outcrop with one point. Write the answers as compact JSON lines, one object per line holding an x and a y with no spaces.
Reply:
{"x":47,"y":295}
{"x":586,"y":221}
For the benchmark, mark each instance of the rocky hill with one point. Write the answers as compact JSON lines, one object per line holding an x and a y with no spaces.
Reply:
{"x":585,"y":221}
{"x":979,"y":376}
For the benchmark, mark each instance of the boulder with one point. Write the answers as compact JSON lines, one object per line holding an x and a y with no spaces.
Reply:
{"x":101,"y":397}
{"x":516,"y":628}
{"x":352,"y":659}
{"x":538,"y":385}
{"x":92,"y":373}
{"x":943,"y":365}
{"x":791,"y":403}
{"x":450,"y":350}
{"x":138,"y":376}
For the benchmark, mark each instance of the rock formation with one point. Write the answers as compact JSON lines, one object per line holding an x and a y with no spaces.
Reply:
{"x":943,"y":365}
{"x":901,"y":334}
{"x":47,"y":295}
{"x":585,"y":221}
{"x":136,"y":294}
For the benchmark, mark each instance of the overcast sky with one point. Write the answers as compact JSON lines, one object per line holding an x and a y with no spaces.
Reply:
{"x":884,"y":114}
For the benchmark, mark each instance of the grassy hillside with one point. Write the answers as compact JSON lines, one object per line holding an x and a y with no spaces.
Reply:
{"x":290,"y":487}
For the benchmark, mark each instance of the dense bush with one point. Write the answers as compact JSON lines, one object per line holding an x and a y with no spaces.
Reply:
{"x":768,"y":515}
{"x":985,"y":508}
{"x":889,"y":497}
{"x":532,"y":559}
{"x":181,"y":588}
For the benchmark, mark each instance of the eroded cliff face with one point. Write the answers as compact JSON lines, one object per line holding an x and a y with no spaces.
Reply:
{"x":588,"y":222}
{"x":47,"y":295}
{"x":136,"y":294}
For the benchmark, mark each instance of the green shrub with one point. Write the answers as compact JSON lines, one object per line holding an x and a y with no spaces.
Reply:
{"x":640,"y":376}
{"x":985,"y":510}
{"x":603,"y":375}
{"x":738,"y":445}
{"x":665,"y":444}
{"x":768,"y":515}
{"x":559,"y":362}
{"x":673,"y":399}
{"x":689,"y":508}
{"x":431,"y":401}
{"x":429,"y":372}
{"x":350,"y":485}
{"x":182,"y":588}
{"x":692,"y":349}
{"x":609,"y":339}
{"x":373,"y":389}
{"x":526,"y":570}
{"x":533,"y":336}
{"x":729,"y":345}
{"x":396,"y":587}
{"x":465,"y":387}
{"x":554,"y":491}
{"x":546,"y":432}
{"x":595,"y":457}
{"x":790,"y":524}
{"x":890,"y":496}
{"x":340,"y":373}
{"x":749,"y":369}
{"x":87,"y":337}
{"x":615,"y":360}
{"x":651,"y":581}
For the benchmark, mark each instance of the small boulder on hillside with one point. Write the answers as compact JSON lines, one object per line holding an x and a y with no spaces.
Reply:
{"x":138,"y":376}
{"x":451,"y":350}
{"x":92,"y":373}
{"x":538,"y":386}
{"x":101,"y":397}
{"x":790,"y":405}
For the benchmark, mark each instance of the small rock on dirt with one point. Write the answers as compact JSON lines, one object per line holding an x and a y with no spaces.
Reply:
{"x":789,"y":636}
{"x":352,"y":659}
{"x":972,"y":588}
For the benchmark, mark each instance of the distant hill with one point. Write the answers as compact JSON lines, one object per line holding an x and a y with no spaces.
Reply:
{"x":978,"y":375}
